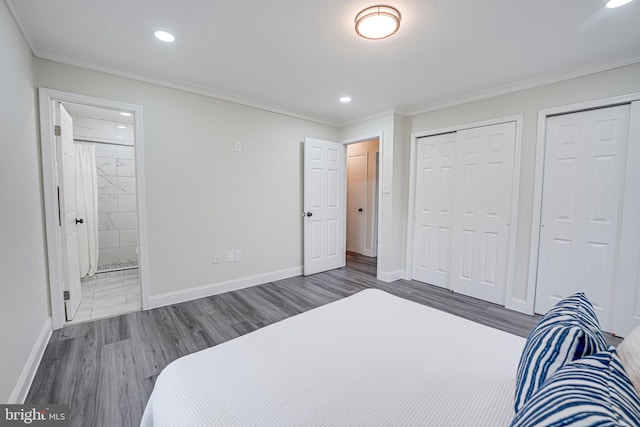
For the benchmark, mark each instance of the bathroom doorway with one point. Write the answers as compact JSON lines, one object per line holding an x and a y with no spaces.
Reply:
{"x":94,"y":203}
{"x":104,"y":140}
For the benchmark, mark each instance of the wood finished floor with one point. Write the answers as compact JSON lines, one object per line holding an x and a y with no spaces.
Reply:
{"x":105,"y":369}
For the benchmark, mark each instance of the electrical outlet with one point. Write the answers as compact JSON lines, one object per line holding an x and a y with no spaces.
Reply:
{"x":238,"y":255}
{"x":230,"y":256}
{"x":237,"y":147}
{"x":216,"y":257}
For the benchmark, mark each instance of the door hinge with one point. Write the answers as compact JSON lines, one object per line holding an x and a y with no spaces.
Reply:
{"x":57,"y":131}
{"x":66,"y":295}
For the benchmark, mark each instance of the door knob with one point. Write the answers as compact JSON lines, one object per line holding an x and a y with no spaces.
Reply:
{"x":309,"y":214}
{"x":79,"y":221}
{"x":360,"y":210}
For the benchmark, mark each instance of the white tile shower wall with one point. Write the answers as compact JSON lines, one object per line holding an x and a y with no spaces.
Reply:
{"x":102,"y":130}
{"x":117,"y":217}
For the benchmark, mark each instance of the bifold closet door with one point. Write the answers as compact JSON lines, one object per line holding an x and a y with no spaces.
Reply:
{"x":482,"y":210}
{"x":627,"y":303}
{"x":434,"y":201}
{"x":583,"y":185}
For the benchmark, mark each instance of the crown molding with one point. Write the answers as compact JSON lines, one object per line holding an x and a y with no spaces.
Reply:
{"x":371,"y":117}
{"x":160,"y":81}
{"x":529,"y":84}
{"x":13,"y":9}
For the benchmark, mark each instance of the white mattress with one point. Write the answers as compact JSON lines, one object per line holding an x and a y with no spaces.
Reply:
{"x":371,"y":359}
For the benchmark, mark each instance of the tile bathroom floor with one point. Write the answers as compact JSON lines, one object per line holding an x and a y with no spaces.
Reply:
{"x":109,"y":294}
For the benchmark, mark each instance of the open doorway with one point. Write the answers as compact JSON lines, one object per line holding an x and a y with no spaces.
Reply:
{"x":104,"y":143}
{"x":362,"y":199}
{"x":93,"y":176}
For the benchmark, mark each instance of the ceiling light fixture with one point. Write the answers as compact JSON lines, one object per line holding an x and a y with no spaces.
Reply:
{"x":617,"y":3}
{"x":165,"y":36}
{"x":124,"y":113}
{"x":345,"y":99}
{"x":377,"y":22}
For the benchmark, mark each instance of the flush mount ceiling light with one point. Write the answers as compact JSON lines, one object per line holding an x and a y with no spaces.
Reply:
{"x":345,"y":99}
{"x":377,"y":22}
{"x":617,"y":3}
{"x":165,"y":36}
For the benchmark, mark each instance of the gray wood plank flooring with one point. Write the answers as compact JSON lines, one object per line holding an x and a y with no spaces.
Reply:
{"x":105,"y":369}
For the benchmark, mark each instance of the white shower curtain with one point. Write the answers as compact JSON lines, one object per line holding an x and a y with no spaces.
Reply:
{"x":87,"y":207}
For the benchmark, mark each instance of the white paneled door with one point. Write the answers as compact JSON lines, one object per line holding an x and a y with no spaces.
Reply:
{"x":434,"y":203}
{"x":324,"y":206}
{"x":483,"y":187}
{"x":68,"y":218}
{"x":583,"y":185}
{"x":356,"y":201}
{"x":627,"y":303}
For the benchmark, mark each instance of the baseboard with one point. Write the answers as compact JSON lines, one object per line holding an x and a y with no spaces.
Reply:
{"x":28,"y":373}
{"x":390,"y":276}
{"x":176,"y":297}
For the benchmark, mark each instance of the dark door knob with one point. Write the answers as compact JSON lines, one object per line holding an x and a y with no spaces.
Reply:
{"x":360,"y":210}
{"x":309,"y":214}
{"x":79,"y":221}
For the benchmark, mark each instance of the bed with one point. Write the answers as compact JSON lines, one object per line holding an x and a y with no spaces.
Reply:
{"x":368,"y":359}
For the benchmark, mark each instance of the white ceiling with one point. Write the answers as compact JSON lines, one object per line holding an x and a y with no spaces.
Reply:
{"x":300,"y":56}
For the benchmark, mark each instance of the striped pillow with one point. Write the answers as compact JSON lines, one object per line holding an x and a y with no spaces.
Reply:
{"x":568,"y":331}
{"x":593,"y":391}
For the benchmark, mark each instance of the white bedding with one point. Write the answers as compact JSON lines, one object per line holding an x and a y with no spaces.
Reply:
{"x":371,"y":359}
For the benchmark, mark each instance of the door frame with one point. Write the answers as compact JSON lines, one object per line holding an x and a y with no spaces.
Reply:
{"x":510,"y":301}
{"x":378,"y":230}
{"x":55,"y":254}
{"x":528,"y":305}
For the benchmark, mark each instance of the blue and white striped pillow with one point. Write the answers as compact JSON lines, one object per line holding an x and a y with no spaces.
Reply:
{"x":593,"y":391}
{"x":568,"y":331}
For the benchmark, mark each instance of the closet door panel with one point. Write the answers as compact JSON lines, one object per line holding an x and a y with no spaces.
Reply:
{"x":481,"y":215}
{"x":433,"y":209}
{"x":583,"y":184}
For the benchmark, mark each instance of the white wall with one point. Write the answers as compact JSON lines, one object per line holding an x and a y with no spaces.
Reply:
{"x":527,"y":102}
{"x":24,"y":302}
{"x":401,"y":152}
{"x":201,"y":195}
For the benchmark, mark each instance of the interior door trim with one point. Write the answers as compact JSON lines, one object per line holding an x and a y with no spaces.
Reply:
{"x":380,"y":231}
{"x":528,"y":304}
{"x":55,"y":256}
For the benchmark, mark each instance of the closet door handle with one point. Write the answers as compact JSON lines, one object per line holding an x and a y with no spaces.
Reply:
{"x":79,"y":221}
{"x":360,"y":210}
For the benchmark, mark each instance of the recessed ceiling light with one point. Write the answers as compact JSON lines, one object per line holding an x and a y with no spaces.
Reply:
{"x":345,"y":99}
{"x":124,"y":113}
{"x":121,"y":127}
{"x":165,"y":36}
{"x":617,"y":3}
{"x":377,"y":22}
